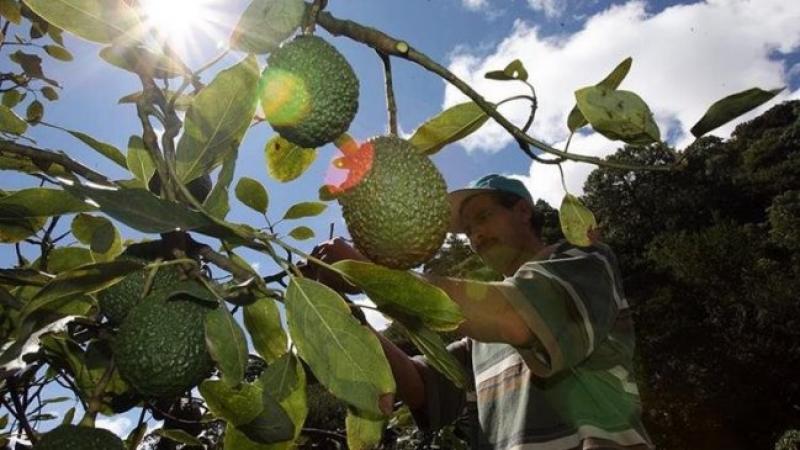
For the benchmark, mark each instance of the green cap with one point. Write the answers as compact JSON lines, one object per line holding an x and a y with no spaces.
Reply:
{"x":488,"y":183}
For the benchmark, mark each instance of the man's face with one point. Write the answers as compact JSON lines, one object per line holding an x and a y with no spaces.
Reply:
{"x":499,"y":235}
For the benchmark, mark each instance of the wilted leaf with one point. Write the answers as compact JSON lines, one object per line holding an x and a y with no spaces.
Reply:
{"x":731,"y":107}
{"x":265,"y":24}
{"x":107,"y":150}
{"x":611,"y":81}
{"x":227,"y":345}
{"x":94,"y":20}
{"x":10,"y":122}
{"x":237,"y":405}
{"x":345,"y":356}
{"x":58,"y":52}
{"x":399,"y":293}
{"x":180,"y":436}
{"x":218,"y":119}
{"x":363,"y":431}
{"x":263,"y":322}
{"x":139,"y":161}
{"x":305,"y":209}
{"x":217,"y":203}
{"x":513,"y":71}
{"x":618,"y":115}
{"x":302,"y":233}
{"x":287,"y":161}
{"x":453,"y":124}
{"x":252,"y":194}
{"x":576,"y":221}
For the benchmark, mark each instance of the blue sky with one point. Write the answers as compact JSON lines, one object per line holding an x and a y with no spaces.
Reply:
{"x":686,"y":55}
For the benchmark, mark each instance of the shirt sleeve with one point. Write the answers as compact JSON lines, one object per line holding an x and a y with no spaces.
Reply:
{"x":444,"y":401}
{"x":570,"y":302}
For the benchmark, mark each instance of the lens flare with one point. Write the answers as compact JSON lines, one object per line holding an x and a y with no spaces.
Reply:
{"x":284,"y":98}
{"x":349,"y":166}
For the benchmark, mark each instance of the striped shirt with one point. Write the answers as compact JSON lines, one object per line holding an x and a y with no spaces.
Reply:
{"x":572,"y":387}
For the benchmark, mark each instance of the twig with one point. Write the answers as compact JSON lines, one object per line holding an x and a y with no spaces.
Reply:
{"x":313,"y":13}
{"x":36,"y":154}
{"x":391,"y":105}
{"x":20,"y":415}
{"x":391,"y":46}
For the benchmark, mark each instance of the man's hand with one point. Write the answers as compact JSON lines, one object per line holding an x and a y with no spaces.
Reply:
{"x":332,"y":251}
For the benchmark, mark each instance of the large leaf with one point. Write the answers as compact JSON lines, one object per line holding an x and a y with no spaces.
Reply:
{"x":217,"y":203}
{"x":24,"y":212}
{"x":345,"y":356}
{"x":263,"y":322}
{"x":10,"y":122}
{"x":140,"y":209}
{"x":139,"y":161}
{"x":227,"y":345}
{"x":399,"y":293}
{"x":363,"y":431}
{"x":453,"y":124}
{"x":107,"y":150}
{"x":305,"y":209}
{"x":267,"y":23}
{"x":81,"y":280}
{"x":618,"y":115}
{"x":252,"y":194}
{"x":286,"y":160}
{"x":731,"y":107}
{"x":218,"y":119}
{"x":612,"y":81}
{"x":140,"y":60}
{"x":576,"y":221}
{"x":272,"y":425}
{"x":95,"y":20}
{"x":435,"y":351}
{"x":237,"y":405}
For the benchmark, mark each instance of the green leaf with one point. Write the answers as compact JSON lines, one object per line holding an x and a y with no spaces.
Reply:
{"x":99,"y":233}
{"x":618,"y":115}
{"x":50,"y":93}
{"x":218,"y":119}
{"x":58,"y":52}
{"x":252,"y":194}
{"x":182,"y":103}
{"x":11,"y":11}
{"x":68,"y":416}
{"x":237,"y":405}
{"x":139,"y":161}
{"x":287,"y":161}
{"x":35,"y":111}
{"x":180,"y":436}
{"x":399,"y":293}
{"x":24,"y":212}
{"x":85,"y":279}
{"x":272,"y":425}
{"x":285,"y":381}
{"x":103,"y":238}
{"x":227,"y":345}
{"x":302,"y":233}
{"x":94,"y":20}
{"x":64,"y":258}
{"x":435,"y":351}
{"x":12,"y":98}
{"x":731,"y":107}
{"x":513,"y":71}
{"x":305,"y":209}
{"x":611,"y":81}
{"x":216,"y":203}
{"x":576,"y":221}
{"x":140,"y":60}
{"x":363,"y":431}
{"x":265,"y":24}
{"x":84,"y":226}
{"x":263,"y":322}
{"x":453,"y":124}
{"x":107,"y":150}
{"x":10,"y":122}
{"x":141,"y":210}
{"x":344,"y":356}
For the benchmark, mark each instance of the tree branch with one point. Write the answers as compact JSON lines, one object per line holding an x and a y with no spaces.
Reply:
{"x":384,"y":43}
{"x":36,"y":154}
{"x":391,"y":105}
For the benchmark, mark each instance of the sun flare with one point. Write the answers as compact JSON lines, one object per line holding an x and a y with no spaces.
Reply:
{"x":181,"y":21}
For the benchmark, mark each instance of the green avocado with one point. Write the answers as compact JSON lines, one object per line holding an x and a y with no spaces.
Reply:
{"x":309,"y":92}
{"x":160,"y":348}
{"x":397,"y":212}
{"x":72,"y":437}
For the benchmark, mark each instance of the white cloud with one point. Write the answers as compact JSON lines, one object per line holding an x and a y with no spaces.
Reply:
{"x":475,"y":5}
{"x":119,"y":425}
{"x":550,"y":8}
{"x":684,"y":58}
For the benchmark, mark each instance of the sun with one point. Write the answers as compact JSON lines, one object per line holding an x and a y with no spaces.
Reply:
{"x":181,"y":21}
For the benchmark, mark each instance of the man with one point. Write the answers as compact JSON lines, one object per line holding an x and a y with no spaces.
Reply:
{"x":550,"y":348}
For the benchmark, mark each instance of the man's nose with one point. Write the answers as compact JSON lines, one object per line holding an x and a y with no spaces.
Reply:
{"x":476,"y":238}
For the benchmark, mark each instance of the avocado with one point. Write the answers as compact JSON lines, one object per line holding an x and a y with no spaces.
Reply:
{"x":309,"y":92}
{"x":72,"y":437}
{"x":396,"y":210}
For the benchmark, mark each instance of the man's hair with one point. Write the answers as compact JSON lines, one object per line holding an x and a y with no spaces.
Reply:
{"x":509,"y":199}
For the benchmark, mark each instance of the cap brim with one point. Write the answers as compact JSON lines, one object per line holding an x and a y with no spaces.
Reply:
{"x":457,"y":199}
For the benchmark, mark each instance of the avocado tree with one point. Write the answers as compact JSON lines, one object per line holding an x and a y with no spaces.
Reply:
{"x":143,"y":325}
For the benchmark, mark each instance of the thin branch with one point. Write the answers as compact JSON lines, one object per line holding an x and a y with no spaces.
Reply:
{"x":313,"y":13}
{"x":37,"y":154}
{"x":391,"y":105}
{"x":21,"y":412}
{"x":391,"y":46}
